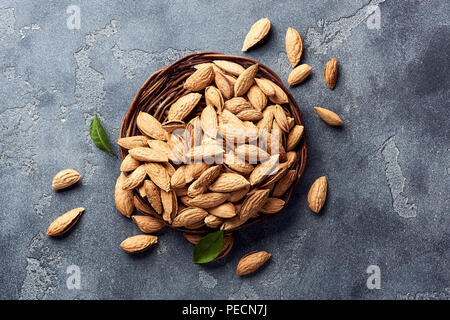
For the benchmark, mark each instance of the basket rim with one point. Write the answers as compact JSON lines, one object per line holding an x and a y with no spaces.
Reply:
{"x":301,"y":149}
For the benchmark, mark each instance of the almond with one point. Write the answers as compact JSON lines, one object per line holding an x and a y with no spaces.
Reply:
{"x":65,"y":178}
{"x":258,"y":32}
{"x":317,"y":194}
{"x":213,"y":221}
{"x":189,"y":217}
{"x":265,"y":124}
{"x":146,"y":154}
{"x":208,"y":200}
{"x":245,"y":80}
{"x":153,"y":196}
{"x":266,"y":86}
{"x":252,"y":262}
{"x":292,"y":158}
{"x":129,"y":163}
{"x":229,"y":182}
{"x":123,"y":198}
{"x":181,"y":108}
{"x":272,"y":205}
{"x":251,"y":153}
{"x":329,"y":116}
{"x":169,"y":203}
{"x":237,"y":195}
{"x":253,"y":203}
{"x":171,"y":126}
{"x":159,"y":175}
{"x":132,"y":142}
{"x":330,"y":73}
{"x":162,"y":147}
{"x":225,"y":210}
{"x":233,"y":223}
{"x":264,"y":170}
{"x":205,"y":152}
{"x":201,"y":185}
{"x":209,"y":121}
{"x":138,"y":243}
{"x":237,"y":104}
{"x":65,"y":222}
{"x":256,"y":97}
{"x":224,"y":85}
{"x":213,"y":97}
{"x":135,"y":178}
{"x":228,"y":242}
{"x":193,"y":238}
{"x":229,"y":67}
{"x":239,"y":165}
{"x":294,"y":137}
{"x":151,"y":127}
{"x":299,"y":74}
{"x":284,"y":183}
{"x":250,"y":115}
{"x":207,"y":64}
{"x":194,"y":170}
{"x":294,"y":46}
{"x":178,"y":179}
{"x":148,"y":224}
{"x":142,"y":206}
{"x":200,"y":79}
{"x":280,"y":118}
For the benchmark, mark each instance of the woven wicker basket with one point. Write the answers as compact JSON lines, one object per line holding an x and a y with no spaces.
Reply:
{"x":165,"y":86}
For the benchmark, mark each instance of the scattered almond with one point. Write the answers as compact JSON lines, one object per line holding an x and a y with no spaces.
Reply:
{"x":252,"y":262}
{"x":138,"y":243}
{"x":330,"y":73}
{"x":65,"y":178}
{"x":329,"y":116}
{"x":64,"y":223}
{"x":317,"y":194}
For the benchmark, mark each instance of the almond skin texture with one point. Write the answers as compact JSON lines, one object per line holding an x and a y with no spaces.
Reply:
{"x":253,"y":203}
{"x":201,"y":185}
{"x":229,"y":67}
{"x":257,"y":98}
{"x":138,"y":243}
{"x":229,"y":182}
{"x":330,"y":73}
{"x":64,"y":223}
{"x":284,"y":183}
{"x":252,"y":262}
{"x":129,"y":163}
{"x":209,"y":121}
{"x":183,"y":106}
{"x":65,"y":178}
{"x":213,"y":221}
{"x":189,"y":217}
{"x":224,"y":85}
{"x":272,"y":205}
{"x":258,"y":32}
{"x":317,"y":194}
{"x":135,"y":178}
{"x":148,"y":224}
{"x":213,"y":97}
{"x":153,"y":195}
{"x":200,"y":79}
{"x":159,"y":175}
{"x":294,"y":137}
{"x":329,"y":116}
{"x":132,"y":142}
{"x":151,"y":127}
{"x":294,"y":46}
{"x":208,"y":200}
{"x":225,"y":211}
{"x":237,"y":104}
{"x":123,"y":198}
{"x":245,"y":80}
{"x":143,"y":206}
{"x":148,"y":155}
{"x":299,"y":74}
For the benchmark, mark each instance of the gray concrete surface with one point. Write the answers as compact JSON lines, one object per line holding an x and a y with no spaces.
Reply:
{"x":388,"y":167}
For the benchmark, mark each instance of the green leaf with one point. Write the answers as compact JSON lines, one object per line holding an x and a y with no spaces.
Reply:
{"x":209,"y":247}
{"x":99,"y":136}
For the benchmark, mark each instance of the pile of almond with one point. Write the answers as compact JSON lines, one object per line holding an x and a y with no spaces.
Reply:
{"x":217,"y":169}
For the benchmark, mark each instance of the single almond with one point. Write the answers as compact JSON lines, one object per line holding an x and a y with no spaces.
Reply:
{"x":151,"y":127}
{"x":193,"y":238}
{"x":123,"y":198}
{"x":263,"y":170}
{"x":284,"y":183}
{"x":266,"y":86}
{"x":330,"y":73}
{"x":178,"y":179}
{"x":292,"y":158}
{"x":245,"y":80}
{"x":294,"y":46}
{"x":265,"y":124}
{"x":258,"y":32}
{"x":132,"y":142}
{"x":159,"y":175}
{"x":189,"y":217}
{"x":257,"y":97}
{"x":238,"y":164}
{"x":65,"y":222}
{"x":146,"y":154}
{"x":299,"y":74}
{"x":213,"y":221}
{"x":194,"y":170}
{"x":237,"y":104}
{"x":135,"y":178}
{"x":272,"y":205}
{"x":207,"y":200}
{"x":238,"y":195}
{"x":250,"y":115}
{"x":233,"y":223}
{"x":153,"y":195}
{"x":138,"y":243}
{"x":294,"y":137}
{"x":317,"y":194}
{"x":280,"y":118}
{"x":129,"y":163}
{"x":201,"y":185}
{"x":229,"y":67}
{"x":228,"y":242}
{"x":65,"y":178}
{"x":251,"y":153}
{"x":252,"y":262}
{"x":213,"y":97}
{"x":229,"y":182}
{"x":208,"y":64}
{"x":142,"y":206}
{"x":148,"y":224}
{"x":224,"y":211}
{"x":173,"y":125}
{"x":224,"y":85}
{"x":169,"y":202}
{"x":253,"y":203}
{"x":181,"y":108}
{"x":208,"y":120}
{"x":329,"y":116}
{"x":200,"y":79}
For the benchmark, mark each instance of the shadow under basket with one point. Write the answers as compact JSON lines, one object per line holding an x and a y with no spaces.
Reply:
{"x":165,"y":86}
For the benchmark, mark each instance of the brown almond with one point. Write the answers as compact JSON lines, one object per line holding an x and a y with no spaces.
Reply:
{"x":159,"y":175}
{"x":280,"y":118}
{"x":294,"y":46}
{"x":207,"y":200}
{"x":123,"y":198}
{"x":65,"y":222}
{"x":178,"y":179}
{"x":151,"y":127}
{"x":201,"y":185}
{"x":228,"y":242}
{"x":250,"y":115}
{"x":229,"y":67}
{"x":208,"y":64}
{"x":232,"y":223}
{"x":237,"y":104}
{"x":129,"y":163}
{"x":181,"y":108}
{"x":169,"y":202}
{"x":245,"y":80}
{"x":317,"y":194}
{"x":238,"y":165}
{"x":294,"y":137}
{"x":224,"y":85}
{"x":329,"y":116}
{"x":265,"y":124}
{"x":237,"y":195}
{"x":263,"y":170}
{"x":330,"y":73}
{"x":224,"y":211}
{"x":266,"y":86}
{"x":292,"y":158}
{"x":135,"y":178}
{"x":148,"y":224}
{"x":229,"y":182}
{"x":284,"y":183}
{"x":251,"y":153}
{"x":213,"y":97}
{"x":272,"y":205}
{"x":189,"y":217}
{"x":208,"y":120}
{"x":146,"y":154}
{"x":142,"y":206}
{"x":65,"y":178}
{"x":193,"y":238}
{"x":253,"y":203}
{"x":194,"y":170}
{"x":132,"y":142}
{"x":257,"y":97}
{"x":299,"y":74}
{"x":252,"y":262}
{"x":153,"y":196}
{"x":138,"y":243}
{"x":200,"y":79}
{"x":213,"y":221}
{"x":257,"y":32}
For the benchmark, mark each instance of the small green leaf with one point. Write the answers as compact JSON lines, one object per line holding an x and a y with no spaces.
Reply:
{"x":209,"y":247}
{"x":99,"y":136}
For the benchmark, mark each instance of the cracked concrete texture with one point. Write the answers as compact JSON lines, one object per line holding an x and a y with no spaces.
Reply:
{"x":388,"y":167}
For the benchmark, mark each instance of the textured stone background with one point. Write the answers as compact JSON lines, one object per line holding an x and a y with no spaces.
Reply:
{"x":388,"y":167}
